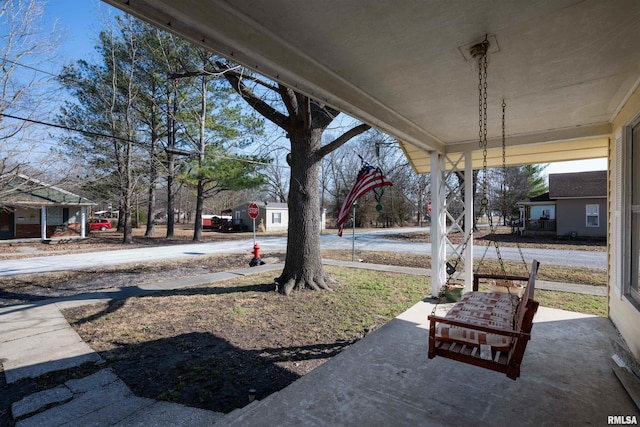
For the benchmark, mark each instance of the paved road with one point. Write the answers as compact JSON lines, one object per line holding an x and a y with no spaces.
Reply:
{"x":363,"y":241}
{"x":372,"y":241}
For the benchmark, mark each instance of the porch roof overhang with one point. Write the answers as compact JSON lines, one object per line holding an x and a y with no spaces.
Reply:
{"x":43,"y":203}
{"x":33,"y":193}
{"x":564,"y":67}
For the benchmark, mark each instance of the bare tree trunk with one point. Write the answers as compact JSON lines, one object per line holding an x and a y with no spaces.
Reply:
{"x":151,"y":198}
{"x":303,"y":264}
{"x":153,"y":167}
{"x":128,"y":230}
{"x":197,"y":230}
{"x":171,"y":167}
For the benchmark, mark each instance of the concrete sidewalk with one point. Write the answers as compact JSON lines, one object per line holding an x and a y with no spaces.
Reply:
{"x":36,"y":339}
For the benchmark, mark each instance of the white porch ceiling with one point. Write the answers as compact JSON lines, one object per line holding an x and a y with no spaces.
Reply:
{"x":564,"y":67}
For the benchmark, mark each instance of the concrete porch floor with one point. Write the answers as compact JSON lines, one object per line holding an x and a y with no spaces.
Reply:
{"x":386,"y":379}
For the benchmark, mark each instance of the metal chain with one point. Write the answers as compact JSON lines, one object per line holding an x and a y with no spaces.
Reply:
{"x":482,"y":136}
{"x":484,"y":100}
{"x":482,"y":114}
{"x":504,"y":148}
{"x":482,"y":96}
{"x":504,"y":169}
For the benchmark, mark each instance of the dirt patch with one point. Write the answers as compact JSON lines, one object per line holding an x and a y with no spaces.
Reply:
{"x":208,"y":346}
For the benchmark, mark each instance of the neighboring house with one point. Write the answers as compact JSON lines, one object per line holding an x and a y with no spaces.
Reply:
{"x":576,"y":205}
{"x":538,"y":214}
{"x":274,"y":216}
{"x":35,"y":209}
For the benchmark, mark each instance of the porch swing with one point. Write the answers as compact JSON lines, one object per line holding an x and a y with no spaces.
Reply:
{"x":486,"y":329}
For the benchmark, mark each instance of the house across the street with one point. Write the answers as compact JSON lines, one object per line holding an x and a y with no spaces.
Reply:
{"x":576,"y":205}
{"x":35,"y":209}
{"x":273,"y":216}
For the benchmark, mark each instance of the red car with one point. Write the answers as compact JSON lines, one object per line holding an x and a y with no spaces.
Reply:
{"x":99,"y":224}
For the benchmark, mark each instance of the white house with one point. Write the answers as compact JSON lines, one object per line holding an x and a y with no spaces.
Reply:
{"x":273,"y":216}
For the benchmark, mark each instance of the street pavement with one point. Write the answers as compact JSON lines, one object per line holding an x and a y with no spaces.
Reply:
{"x":363,"y":241}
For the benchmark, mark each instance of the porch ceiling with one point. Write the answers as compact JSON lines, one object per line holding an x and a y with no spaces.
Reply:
{"x":564,"y":67}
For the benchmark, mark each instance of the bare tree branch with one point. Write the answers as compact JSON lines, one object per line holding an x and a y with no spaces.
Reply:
{"x":322,"y":114}
{"x":254,"y":101}
{"x":290,"y":101}
{"x":341,"y":140}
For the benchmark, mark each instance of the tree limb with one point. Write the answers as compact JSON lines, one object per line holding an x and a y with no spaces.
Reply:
{"x":254,"y":101}
{"x":254,"y":79}
{"x":290,"y":101}
{"x":322,"y":114}
{"x":341,"y":140}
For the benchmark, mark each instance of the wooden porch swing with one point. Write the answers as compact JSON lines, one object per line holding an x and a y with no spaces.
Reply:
{"x":486,"y":329}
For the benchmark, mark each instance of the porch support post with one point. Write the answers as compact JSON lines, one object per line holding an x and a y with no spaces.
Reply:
{"x":438,"y":225}
{"x":43,"y":223}
{"x":83,"y":222}
{"x":468,"y":220}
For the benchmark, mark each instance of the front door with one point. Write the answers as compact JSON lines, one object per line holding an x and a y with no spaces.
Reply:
{"x":6,"y":225}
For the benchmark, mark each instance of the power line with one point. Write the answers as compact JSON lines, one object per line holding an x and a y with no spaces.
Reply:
{"x":102,"y":135}
{"x":88,"y":132}
{"x":32,"y":68}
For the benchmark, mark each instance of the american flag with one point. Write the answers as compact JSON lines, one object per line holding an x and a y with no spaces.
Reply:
{"x":369,"y":178}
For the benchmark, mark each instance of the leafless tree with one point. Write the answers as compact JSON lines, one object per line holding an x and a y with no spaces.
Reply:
{"x":26,"y":94}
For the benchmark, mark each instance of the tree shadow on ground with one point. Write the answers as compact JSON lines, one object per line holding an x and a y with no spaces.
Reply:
{"x":206,"y":371}
{"x":541,"y":239}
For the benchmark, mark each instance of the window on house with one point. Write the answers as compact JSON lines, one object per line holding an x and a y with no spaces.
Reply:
{"x":276,"y":217}
{"x":593,"y":216}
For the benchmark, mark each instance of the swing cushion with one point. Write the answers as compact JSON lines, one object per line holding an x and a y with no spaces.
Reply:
{"x":492,"y":309}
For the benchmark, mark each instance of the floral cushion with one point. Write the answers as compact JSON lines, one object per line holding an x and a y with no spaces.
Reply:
{"x":493,"y":309}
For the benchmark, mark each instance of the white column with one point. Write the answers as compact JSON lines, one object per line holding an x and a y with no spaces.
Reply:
{"x":438,"y":225}
{"x":83,"y":221}
{"x":43,"y":223}
{"x":468,"y":220}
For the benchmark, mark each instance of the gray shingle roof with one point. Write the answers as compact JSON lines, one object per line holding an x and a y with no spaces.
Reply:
{"x":578,"y":185}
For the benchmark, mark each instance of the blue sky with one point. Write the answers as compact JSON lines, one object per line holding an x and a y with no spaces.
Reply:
{"x":80,"y":24}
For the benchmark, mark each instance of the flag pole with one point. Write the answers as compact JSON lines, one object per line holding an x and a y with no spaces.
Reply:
{"x":353,"y":240}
